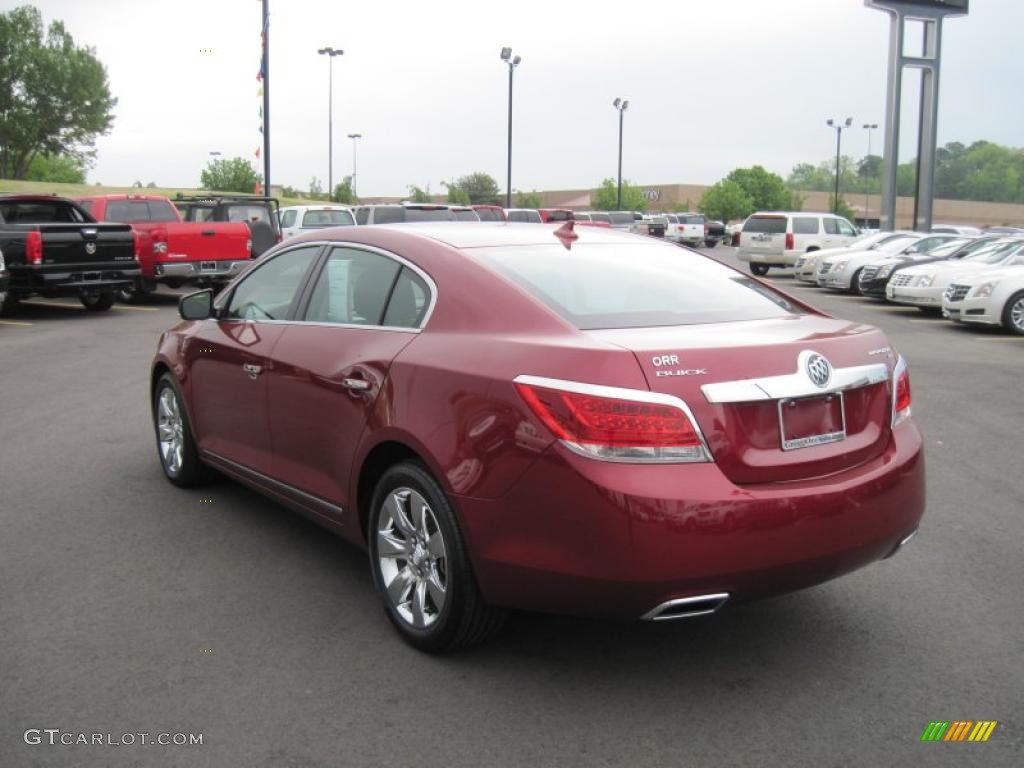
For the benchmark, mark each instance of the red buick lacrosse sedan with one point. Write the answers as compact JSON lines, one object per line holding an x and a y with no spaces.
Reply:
{"x":512,"y":416}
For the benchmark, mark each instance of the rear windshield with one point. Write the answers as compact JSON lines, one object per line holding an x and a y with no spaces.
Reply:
{"x":327,"y":218}
{"x":634,"y":286}
{"x":771,"y":225}
{"x":488,"y":214}
{"x":621,"y":217}
{"x":606,"y":218}
{"x":247,"y":213}
{"x":559,"y":215}
{"x":466,"y":215}
{"x":129,"y":211}
{"x":691,"y":219}
{"x":41,"y":212}
{"x":529,"y":217}
{"x":397,"y":214}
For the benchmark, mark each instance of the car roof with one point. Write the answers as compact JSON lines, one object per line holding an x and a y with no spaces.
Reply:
{"x":321,"y":207}
{"x":498,"y":234}
{"x":31,"y":198}
{"x":791,"y":213}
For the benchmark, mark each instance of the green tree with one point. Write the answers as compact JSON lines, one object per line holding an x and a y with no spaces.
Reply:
{"x":54,"y":95}
{"x":234,"y":175}
{"x":457,"y":194}
{"x":419,"y":194}
{"x":529,"y":200}
{"x":843,"y":209}
{"x":343,"y":192}
{"x":767,"y":191}
{"x":64,"y":169}
{"x":605,"y":197}
{"x":726,"y":201}
{"x":316,"y":189}
{"x":480,"y":188}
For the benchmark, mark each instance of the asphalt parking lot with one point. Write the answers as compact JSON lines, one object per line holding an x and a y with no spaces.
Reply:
{"x":130,"y":606}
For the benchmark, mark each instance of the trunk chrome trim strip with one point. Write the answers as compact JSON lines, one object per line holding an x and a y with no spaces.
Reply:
{"x":793,"y":385}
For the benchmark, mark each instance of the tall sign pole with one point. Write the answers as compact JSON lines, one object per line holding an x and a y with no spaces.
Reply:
{"x":266,"y":97}
{"x":932,"y":13}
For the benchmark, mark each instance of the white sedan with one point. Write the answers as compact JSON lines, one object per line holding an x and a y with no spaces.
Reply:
{"x":923,"y":286}
{"x":840,"y":271}
{"x":993,"y":297}
{"x":806,"y":267}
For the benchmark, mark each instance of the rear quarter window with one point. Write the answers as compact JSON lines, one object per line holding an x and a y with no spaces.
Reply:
{"x":805,"y":225}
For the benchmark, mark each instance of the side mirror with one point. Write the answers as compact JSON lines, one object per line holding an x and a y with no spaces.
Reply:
{"x":196,"y":306}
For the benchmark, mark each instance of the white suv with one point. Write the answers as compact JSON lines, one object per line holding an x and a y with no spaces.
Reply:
{"x":299,"y":219}
{"x":777,"y":239}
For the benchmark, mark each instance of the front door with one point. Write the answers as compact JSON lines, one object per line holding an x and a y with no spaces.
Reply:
{"x":229,"y":359}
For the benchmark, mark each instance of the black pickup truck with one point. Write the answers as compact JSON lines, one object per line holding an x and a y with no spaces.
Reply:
{"x":52,"y":247}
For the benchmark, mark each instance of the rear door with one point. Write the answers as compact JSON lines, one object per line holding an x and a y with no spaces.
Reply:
{"x":764,"y":234}
{"x":228,"y":359}
{"x":329,"y":369}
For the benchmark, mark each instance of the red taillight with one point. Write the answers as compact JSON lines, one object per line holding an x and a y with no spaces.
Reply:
{"x":901,"y":392}
{"x":280,"y":238}
{"x":137,"y":243}
{"x":789,"y":241}
{"x":707,"y":228}
{"x":614,"y":424}
{"x":33,"y":247}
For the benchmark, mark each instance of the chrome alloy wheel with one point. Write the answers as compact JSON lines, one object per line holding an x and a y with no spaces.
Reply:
{"x":1017,"y":315}
{"x":412,"y":558}
{"x":170,"y":431}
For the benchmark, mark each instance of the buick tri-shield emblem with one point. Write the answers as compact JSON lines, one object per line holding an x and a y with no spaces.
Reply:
{"x":819,"y":370}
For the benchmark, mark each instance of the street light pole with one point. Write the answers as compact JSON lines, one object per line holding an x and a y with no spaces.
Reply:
{"x":354,"y":136}
{"x":330,"y":53}
{"x":839,"y":140}
{"x":869,"y":127}
{"x":506,"y":56}
{"x":620,"y":105}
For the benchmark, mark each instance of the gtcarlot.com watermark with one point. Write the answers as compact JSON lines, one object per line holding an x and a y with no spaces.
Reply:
{"x":58,"y":737}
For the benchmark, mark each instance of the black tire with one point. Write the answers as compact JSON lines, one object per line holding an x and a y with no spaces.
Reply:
{"x":759,"y":269}
{"x":97,"y":301}
{"x":933,"y":311}
{"x":190,"y":471}
{"x":134,"y":293}
{"x":1014,"y":305}
{"x":8,"y":303}
{"x":463,"y":619}
{"x":855,"y":282}
{"x":710,"y":243}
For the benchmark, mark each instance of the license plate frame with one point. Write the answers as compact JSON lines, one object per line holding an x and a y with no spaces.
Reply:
{"x":811,"y":440}
{"x":208,"y":266}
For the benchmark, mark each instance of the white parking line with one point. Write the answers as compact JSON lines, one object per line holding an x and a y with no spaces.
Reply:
{"x":136,"y":309}
{"x":14,"y":322}
{"x":1013,"y":339}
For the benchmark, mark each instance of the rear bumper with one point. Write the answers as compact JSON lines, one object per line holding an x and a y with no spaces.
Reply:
{"x":200,"y":270}
{"x":55,"y":279}
{"x":777,"y":259}
{"x":591,"y":538}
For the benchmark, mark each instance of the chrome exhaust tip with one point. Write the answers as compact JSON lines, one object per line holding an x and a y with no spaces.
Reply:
{"x":902,"y":544}
{"x":687,"y":607}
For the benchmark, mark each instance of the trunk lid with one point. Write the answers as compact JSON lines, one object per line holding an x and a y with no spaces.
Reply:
{"x":749,"y":382}
{"x":70,"y":244}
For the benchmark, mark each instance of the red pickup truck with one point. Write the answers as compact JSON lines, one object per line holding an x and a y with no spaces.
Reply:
{"x":173,"y":251}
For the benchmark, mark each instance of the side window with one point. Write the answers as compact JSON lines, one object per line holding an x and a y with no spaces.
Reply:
{"x":845,"y":228}
{"x":353,"y":288}
{"x":267,"y":293}
{"x":409,"y":301}
{"x":805,"y":225}
{"x":288,"y":219}
{"x":831,"y":227}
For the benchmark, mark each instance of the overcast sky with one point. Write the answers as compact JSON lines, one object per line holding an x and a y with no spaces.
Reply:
{"x":712,"y":85}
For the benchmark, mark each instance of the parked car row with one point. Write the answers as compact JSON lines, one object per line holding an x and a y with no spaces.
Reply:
{"x":975,"y":278}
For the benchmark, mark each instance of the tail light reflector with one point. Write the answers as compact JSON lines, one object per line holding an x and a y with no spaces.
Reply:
{"x":900,"y":392}
{"x":33,"y":247}
{"x":137,"y":244}
{"x":789,"y":241}
{"x":615,"y":424}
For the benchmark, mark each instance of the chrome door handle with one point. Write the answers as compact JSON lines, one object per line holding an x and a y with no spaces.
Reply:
{"x":252,"y":370}
{"x":356,"y":385}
